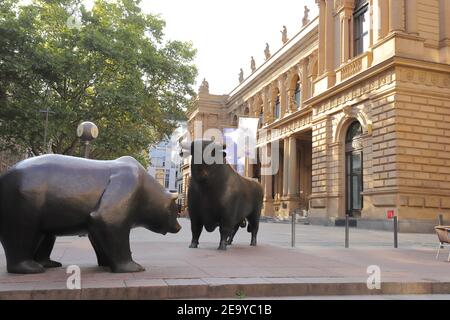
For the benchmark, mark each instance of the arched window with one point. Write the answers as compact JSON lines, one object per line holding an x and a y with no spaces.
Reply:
{"x":354,"y":169}
{"x":246,"y":111}
{"x":354,"y":132}
{"x":235,"y":121}
{"x":277,"y":107}
{"x":297,"y":94}
{"x":361,"y":21}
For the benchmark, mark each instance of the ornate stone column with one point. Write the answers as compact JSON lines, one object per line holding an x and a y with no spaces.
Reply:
{"x":380,"y":19}
{"x":292,"y":107}
{"x":283,"y":95}
{"x":267,"y":186}
{"x":345,"y":16}
{"x":444,"y":18}
{"x":251,"y":106}
{"x":265,"y":96}
{"x":345,"y":11}
{"x":396,"y":15}
{"x":322,"y":30}
{"x":304,"y":81}
{"x":257,"y":105}
{"x":286,"y":176}
{"x":329,"y":38}
{"x":292,"y":188}
{"x":411,"y":17}
{"x":311,"y":73}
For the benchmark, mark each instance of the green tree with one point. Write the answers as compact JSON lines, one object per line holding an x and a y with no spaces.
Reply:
{"x":110,"y":65}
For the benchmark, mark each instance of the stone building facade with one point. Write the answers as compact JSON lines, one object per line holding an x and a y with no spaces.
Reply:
{"x":360,"y":98}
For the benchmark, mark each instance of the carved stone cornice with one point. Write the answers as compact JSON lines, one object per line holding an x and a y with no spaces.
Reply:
{"x":423,"y":77}
{"x":363,"y":88}
{"x":286,"y":129}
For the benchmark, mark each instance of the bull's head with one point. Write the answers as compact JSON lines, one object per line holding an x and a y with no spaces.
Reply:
{"x":206,"y":155}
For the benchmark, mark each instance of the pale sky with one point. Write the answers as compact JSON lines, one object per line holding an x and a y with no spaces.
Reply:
{"x":227,"y":33}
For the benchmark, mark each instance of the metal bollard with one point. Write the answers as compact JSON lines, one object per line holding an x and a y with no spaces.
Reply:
{"x":441,"y":219}
{"x":395,"y":232}
{"x":293,"y":229}
{"x":347,"y":231}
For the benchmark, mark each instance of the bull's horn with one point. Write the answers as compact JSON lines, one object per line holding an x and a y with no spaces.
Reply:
{"x":174,"y":196}
{"x":185,"y":145}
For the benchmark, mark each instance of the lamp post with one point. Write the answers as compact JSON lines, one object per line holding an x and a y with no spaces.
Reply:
{"x":47,"y":112}
{"x":87,"y":131}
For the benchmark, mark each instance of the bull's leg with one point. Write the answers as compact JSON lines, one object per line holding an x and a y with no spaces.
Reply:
{"x":102,"y":260}
{"x":44,"y":251}
{"x":253,"y":225}
{"x":196,"y":229}
{"x":225,"y":233}
{"x":235,"y":230}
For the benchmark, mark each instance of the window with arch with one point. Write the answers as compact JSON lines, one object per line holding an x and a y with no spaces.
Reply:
{"x":297,"y":94}
{"x":235,"y":120}
{"x":354,"y":169}
{"x":361,"y":26}
{"x":277,"y":107}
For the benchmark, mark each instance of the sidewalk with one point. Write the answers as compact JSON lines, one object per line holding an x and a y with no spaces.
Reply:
{"x":318,"y":266}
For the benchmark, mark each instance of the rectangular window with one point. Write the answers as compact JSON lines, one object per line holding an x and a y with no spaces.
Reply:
{"x":167,"y":179}
{"x":277,"y":108}
{"x":361,"y":20}
{"x":297,"y":95}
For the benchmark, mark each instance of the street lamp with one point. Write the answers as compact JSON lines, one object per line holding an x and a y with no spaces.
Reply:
{"x":47,"y":112}
{"x":87,"y":131}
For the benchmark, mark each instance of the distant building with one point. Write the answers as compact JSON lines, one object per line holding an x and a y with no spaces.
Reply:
{"x":165,"y":161}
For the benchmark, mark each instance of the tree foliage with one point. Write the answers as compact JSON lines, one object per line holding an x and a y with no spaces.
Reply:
{"x":110,"y":65}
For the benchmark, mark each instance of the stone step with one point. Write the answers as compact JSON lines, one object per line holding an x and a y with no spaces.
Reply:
{"x":228,"y":289}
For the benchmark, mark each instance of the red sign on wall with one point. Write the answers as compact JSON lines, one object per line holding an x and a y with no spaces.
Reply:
{"x":390,"y":214}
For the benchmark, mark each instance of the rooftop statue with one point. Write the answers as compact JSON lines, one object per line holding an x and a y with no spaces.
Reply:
{"x":284,"y":36}
{"x":241,"y":76}
{"x":267,"y":52}
{"x":204,"y":87}
{"x":252,"y":64}
{"x":305,"y":20}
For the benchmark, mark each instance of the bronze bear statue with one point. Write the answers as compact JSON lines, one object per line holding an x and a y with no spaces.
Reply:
{"x":54,"y":195}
